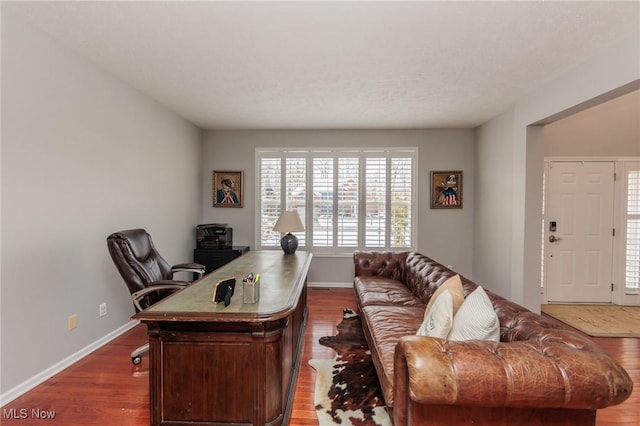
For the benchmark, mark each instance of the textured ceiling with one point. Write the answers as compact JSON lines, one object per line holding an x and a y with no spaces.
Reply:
{"x":335,"y":65}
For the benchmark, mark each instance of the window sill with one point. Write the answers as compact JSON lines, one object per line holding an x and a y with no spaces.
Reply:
{"x":343,"y":254}
{"x":340,"y":254}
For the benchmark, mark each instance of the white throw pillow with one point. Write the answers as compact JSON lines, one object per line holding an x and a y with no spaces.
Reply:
{"x":438,"y":318}
{"x":476,"y":319}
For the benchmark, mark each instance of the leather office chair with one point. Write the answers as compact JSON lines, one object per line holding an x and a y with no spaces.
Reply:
{"x":148,"y":276}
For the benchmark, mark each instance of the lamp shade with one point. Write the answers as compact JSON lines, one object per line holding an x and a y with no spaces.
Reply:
{"x":289,"y":221}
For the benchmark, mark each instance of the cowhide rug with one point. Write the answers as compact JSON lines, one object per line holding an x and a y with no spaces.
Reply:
{"x":347,"y":390}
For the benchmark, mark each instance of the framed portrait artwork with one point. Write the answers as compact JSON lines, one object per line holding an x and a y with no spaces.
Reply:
{"x":227,"y":189}
{"x":446,"y":189}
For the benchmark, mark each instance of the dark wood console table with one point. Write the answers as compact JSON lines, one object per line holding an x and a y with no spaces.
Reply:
{"x":211,"y":365}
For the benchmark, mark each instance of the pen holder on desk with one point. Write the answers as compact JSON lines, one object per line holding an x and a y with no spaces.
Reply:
{"x":250,"y":291}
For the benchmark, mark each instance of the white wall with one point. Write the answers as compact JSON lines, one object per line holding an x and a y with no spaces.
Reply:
{"x":616,"y":67}
{"x":445,"y":235}
{"x":611,"y":129}
{"x":83,"y":155}
{"x":493,"y":209}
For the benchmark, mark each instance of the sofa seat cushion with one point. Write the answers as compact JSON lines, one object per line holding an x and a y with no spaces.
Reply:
{"x":384,"y":325}
{"x":373,"y":290}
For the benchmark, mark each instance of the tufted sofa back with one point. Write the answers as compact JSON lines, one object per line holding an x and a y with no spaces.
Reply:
{"x":423,"y":275}
{"x":381,"y":264}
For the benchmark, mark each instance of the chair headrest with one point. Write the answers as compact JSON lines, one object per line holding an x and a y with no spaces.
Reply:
{"x":138,"y":240}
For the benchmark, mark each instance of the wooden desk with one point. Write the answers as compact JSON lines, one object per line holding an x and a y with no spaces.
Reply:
{"x":211,"y":365}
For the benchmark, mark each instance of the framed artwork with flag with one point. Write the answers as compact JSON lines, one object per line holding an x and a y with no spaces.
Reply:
{"x":446,"y":189}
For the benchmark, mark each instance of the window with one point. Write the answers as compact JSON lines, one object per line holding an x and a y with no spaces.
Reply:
{"x":348,"y":199}
{"x":632,"y":260}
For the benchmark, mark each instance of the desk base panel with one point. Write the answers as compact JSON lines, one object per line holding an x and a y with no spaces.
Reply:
{"x":225,"y":374}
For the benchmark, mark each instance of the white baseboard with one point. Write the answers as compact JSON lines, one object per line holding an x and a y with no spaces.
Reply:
{"x":329,"y":285}
{"x":39,"y":378}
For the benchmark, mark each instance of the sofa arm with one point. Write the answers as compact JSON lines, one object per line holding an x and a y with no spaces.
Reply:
{"x":517,"y":374}
{"x":385,"y":264}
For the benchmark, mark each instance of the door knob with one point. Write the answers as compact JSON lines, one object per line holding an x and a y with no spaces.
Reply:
{"x":553,"y":239}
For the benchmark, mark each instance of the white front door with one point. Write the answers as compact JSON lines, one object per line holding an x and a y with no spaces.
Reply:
{"x":579,"y":232}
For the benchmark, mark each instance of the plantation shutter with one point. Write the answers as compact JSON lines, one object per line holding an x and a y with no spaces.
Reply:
{"x":632,"y":261}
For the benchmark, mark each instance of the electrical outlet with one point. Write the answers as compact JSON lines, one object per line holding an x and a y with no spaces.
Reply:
{"x":103,"y":309}
{"x":72,"y":321}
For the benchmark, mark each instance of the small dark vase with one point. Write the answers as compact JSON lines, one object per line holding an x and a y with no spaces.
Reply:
{"x":289,"y":243}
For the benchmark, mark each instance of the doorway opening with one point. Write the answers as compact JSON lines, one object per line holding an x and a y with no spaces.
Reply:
{"x":591,"y":231}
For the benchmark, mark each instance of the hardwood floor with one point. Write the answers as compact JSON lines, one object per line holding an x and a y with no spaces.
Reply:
{"x":104,"y":388}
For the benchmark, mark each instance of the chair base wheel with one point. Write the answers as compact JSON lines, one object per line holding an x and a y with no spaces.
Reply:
{"x":136,"y":360}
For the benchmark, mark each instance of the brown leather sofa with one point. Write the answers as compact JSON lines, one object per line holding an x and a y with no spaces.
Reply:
{"x":538,"y":374}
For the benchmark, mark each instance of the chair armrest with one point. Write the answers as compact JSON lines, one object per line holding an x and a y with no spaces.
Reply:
{"x":522,"y":374}
{"x":196,"y":268}
{"x":154,"y":287}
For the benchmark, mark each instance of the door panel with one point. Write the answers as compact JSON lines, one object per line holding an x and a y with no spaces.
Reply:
{"x":578,"y":254}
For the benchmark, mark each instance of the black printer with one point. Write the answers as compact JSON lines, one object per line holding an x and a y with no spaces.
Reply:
{"x":214,"y":236}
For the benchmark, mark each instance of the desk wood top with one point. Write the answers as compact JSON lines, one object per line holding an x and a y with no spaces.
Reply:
{"x":282,"y":278}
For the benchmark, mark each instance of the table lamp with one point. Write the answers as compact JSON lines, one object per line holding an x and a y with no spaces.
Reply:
{"x":289,"y":221}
